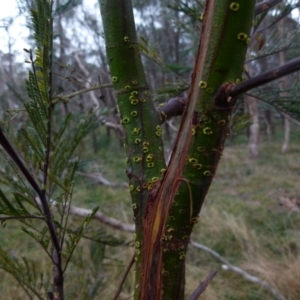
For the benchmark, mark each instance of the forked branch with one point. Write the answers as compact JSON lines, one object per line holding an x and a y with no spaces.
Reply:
{"x":175,"y":106}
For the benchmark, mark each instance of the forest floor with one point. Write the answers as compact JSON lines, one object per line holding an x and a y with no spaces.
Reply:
{"x":251,"y":217}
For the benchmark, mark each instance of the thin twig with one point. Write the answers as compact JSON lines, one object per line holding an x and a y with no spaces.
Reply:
{"x":82,"y":212}
{"x":266,"y":5}
{"x":66,"y":98}
{"x":98,"y":178}
{"x":280,"y":17}
{"x":285,"y":48}
{"x":114,"y":126}
{"x":71,"y":79}
{"x":118,"y":292}
{"x":68,"y":204}
{"x":26,"y":286}
{"x":202,"y":286}
{"x":87,"y":78}
{"x":22,"y":217}
{"x":296,"y":122}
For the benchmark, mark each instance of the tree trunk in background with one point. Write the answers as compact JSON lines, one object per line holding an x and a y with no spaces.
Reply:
{"x":268,"y":122}
{"x":254,"y":127}
{"x":283,"y":85}
{"x":287,"y":128}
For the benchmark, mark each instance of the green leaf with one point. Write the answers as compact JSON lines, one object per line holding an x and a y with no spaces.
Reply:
{"x":240,"y":122}
{"x":284,"y":100}
{"x":33,"y":141}
{"x":16,"y":181}
{"x":100,"y":236}
{"x":172,"y":89}
{"x":178,"y":68}
{"x":67,"y":141}
{"x":6,"y":207}
{"x":149,"y":51}
{"x":23,"y":271}
{"x":16,"y":93}
{"x":42,"y":237}
{"x":97,"y":254}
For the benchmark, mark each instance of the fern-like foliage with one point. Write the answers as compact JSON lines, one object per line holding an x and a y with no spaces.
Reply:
{"x":275,"y":43}
{"x":283,"y":100}
{"x":25,"y":272}
{"x":37,"y":179}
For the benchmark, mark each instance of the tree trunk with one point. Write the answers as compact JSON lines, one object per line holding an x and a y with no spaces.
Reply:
{"x":287,"y":128}
{"x":268,"y":123}
{"x":254,"y":127}
{"x":167,"y":202}
{"x":283,"y":85}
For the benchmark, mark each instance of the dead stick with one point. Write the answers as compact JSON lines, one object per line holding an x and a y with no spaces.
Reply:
{"x":124,"y":278}
{"x":202,"y":286}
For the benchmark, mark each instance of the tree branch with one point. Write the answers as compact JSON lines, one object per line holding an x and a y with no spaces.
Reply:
{"x":118,"y":292}
{"x":296,"y":122}
{"x":82,"y":212}
{"x":86,"y":74}
{"x":114,"y":126}
{"x":265,"y":77}
{"x":202,"y":286}
{"x":19,"y":163}
{"x":171,"y":108}
{"x":240,"y":271}
{"x":66,"y":98}
{"x":266,"y":5}
{"x":176,"y":106}
{"x":21,"y":217}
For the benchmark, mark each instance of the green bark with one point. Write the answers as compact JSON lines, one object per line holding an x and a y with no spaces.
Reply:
{"x":173,"y":204}
{"x":143,"y":143}
{"x":223,"y":67}
{"x":204,"y":127}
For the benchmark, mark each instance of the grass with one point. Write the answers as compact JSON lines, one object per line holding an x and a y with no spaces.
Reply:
{"x":241,"y":219}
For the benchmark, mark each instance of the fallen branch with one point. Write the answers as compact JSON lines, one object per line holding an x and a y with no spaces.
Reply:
{"x":98,"y":178}
{"x":131,"y":228}
{"x":240,"y":271}
{"x":101,"y":217}
{"x":114,"y":126}
{"x":202,"y":286}
{"x":292,"y":204}
{"x":124,"y":277}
